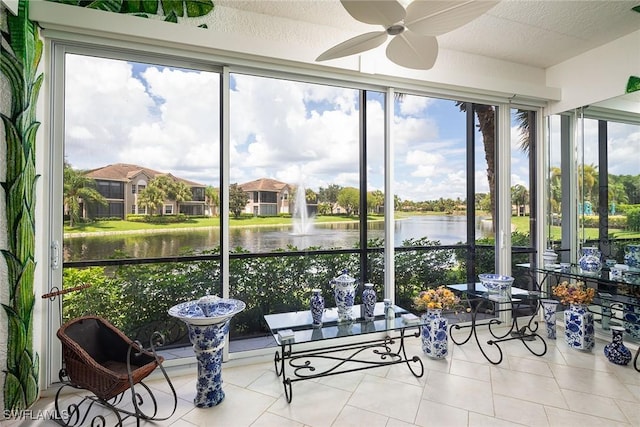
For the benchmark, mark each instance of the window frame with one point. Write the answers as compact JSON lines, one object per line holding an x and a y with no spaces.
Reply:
{"x":53,"y":155}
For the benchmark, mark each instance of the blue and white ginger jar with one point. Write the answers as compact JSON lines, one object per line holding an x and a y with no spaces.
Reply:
{"x":591,"y":260}
{"x":632,"y":256}
{"x":344,"y":292}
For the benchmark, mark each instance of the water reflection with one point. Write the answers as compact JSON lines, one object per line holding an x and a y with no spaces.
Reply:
{"x":444,"y":228}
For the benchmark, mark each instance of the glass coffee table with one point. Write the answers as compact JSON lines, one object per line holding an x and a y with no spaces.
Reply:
{"x":339,"y":347}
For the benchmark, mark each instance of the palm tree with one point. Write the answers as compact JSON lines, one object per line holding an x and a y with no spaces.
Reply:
{"x":151,"y":198}
{"x":213,"y":197}
{"x":519,"y":196}
{"x":78,"y":188}
{"x":486,"y":115}
{"x":555,"y":189}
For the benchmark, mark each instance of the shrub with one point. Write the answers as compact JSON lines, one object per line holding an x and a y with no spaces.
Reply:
{"x":633,"y":219}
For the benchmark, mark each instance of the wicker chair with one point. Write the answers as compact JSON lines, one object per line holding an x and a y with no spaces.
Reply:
{"x":100,"y":358}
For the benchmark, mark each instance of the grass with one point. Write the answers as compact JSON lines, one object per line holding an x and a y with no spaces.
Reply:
{"x":120,"y":226}
{"x":519,"y":223}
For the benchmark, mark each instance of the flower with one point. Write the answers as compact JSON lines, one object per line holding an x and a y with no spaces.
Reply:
{"x":435,"y":298}
{"x":574,"y":293}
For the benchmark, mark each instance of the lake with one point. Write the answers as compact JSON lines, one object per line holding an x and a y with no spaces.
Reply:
{"x":447,"y":229}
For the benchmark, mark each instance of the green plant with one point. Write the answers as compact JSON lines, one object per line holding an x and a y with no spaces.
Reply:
{"x":171,"y":10}
{"x":19,"y":64}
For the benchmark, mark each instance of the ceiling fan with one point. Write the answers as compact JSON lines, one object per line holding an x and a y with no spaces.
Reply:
{"x":414,"y":29}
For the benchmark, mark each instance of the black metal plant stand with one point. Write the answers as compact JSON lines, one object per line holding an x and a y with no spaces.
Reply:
{"x":526,"y":332}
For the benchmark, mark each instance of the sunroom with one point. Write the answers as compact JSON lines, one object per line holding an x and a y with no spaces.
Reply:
{"x":520,"y":137}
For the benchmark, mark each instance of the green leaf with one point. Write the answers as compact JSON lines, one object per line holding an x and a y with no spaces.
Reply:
{"x":107,"y":5}
{"x":14,"y":270}
{"x":196,"y":8}
{"x":173,"y":6}
{"x":13,"y":393}
{"x":150,"y":6}
{"x":16,"y":340}
{"x":633,"y":84}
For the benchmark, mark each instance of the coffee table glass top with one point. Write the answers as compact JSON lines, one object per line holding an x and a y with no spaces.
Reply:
{"x":296,"y":327}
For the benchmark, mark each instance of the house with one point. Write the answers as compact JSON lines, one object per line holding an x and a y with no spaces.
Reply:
{"x":121,"y":185}
{"x":267,"y":197}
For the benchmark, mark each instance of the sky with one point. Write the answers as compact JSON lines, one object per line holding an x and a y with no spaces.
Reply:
{"x":167,"y":119}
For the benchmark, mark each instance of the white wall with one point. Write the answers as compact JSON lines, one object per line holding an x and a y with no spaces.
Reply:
{"x":596,"y":75}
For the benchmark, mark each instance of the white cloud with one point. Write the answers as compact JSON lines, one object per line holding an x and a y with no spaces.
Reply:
{"x":414,"y":105}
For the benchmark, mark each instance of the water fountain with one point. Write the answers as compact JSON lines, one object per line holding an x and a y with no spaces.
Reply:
{"x":302,"y":222}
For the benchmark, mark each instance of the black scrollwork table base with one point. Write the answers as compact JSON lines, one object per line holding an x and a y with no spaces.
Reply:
{"x":302,"y":355}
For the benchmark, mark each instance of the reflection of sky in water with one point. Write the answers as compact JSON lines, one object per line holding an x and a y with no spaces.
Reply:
{"x":445,"y":229}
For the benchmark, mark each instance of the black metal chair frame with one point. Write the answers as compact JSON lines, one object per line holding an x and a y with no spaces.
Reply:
{"x":99,"y":358}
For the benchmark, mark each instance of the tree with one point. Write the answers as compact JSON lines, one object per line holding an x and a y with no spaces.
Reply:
{"x":77,"y":188}
{"x":588,"y":184}
{"x":213,"y":197}
{"x":329,"y":195}
{"x":349,"y":199}
{"x":555,"y":189}
{"x":310,"y":195}
{"x":151,"y":198}
{"x":237,"y":200}
{"x":375,"y":200}
{"x":519,"y":196}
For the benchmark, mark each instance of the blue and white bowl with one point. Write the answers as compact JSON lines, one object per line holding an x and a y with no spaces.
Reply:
{"x":497,"y":284}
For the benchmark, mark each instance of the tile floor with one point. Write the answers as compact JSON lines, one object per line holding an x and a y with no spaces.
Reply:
{"x":565,"y":387}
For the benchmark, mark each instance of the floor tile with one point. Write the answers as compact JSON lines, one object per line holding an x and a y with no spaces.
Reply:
{"x":240,"y":408}
{"x":520,"y":411}
{"x":565,"y":418}
{"x":599,"y":406}
{"x":528,"y":387}
{"x":459,"y":392}
{"x":313,"y":404}
{"x":387,"y":397}
{"x":356,"y":417}
{"x":437,"y":414}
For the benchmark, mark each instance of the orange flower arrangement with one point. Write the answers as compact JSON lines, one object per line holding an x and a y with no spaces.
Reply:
{"x":574,"y":293}
{"x":435,"y":298}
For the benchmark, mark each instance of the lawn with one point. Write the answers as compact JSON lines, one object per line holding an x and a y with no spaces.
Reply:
{"x":121,"y":226}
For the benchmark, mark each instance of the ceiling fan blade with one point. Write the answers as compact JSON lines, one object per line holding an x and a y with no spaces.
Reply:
{"x":413,"y":50}
{"x":438,"y":17}
{"x":380,"y":12}
{"x":355,"y":45}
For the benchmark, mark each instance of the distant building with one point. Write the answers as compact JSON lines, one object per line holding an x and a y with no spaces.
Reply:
{"x":267,"y":197}
{"x":121,"y":183}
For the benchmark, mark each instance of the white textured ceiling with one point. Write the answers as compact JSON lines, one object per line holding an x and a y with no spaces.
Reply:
{"x":538,"y":33}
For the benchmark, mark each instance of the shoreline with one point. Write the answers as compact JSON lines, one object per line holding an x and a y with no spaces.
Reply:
{"x":173,"y":230}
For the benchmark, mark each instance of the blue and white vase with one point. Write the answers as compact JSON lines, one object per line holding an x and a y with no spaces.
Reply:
{"x":549,"y":307}
{"x":369,"y":300}
{"x":579,"y":332}
{"x":316,"y":303}
{"x":631,"y":320}
{"x":591,"y":260}
{"x":632,"y":256}
{"x":435,"y":341}
{"x":208,"y":344}
{"x":615,"y":351}
{"x":344,"y":292}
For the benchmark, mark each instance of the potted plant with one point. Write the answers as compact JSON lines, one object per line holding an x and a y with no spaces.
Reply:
{"x":579,"y":332}
{"x":430,"y":303}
